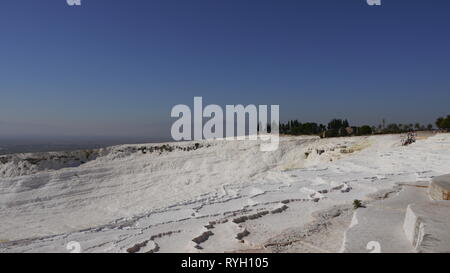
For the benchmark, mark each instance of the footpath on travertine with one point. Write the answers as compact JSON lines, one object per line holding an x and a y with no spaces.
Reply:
{"x":416,"y":219}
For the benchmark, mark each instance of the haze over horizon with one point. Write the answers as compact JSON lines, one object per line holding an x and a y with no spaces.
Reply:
{"x":115,"y":68}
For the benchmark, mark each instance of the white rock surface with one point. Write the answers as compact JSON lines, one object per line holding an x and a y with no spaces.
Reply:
{"x":381,"y":222}
{"x":427,"y":226}
{"x":162,"y":198}
{"x":440,"y":187}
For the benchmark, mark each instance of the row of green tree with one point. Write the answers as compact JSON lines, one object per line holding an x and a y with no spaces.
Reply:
{"x":294,"y":127}
{"x":443,"y":123}
{"x":341,"y":127}
{"x":334,"y":128}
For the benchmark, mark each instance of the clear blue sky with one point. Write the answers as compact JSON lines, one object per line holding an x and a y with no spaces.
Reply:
{"x":116,"y":67}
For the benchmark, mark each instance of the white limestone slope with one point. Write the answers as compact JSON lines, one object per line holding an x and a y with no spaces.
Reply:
{"x":160,"y":198}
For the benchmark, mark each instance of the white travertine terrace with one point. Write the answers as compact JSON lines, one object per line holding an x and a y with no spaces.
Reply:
{"x":427,"y":226}
{"x":218,"y":196}
{"x":440,"y":187}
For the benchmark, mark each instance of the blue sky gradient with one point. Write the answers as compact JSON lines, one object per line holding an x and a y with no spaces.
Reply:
{"x":116,"y":67}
